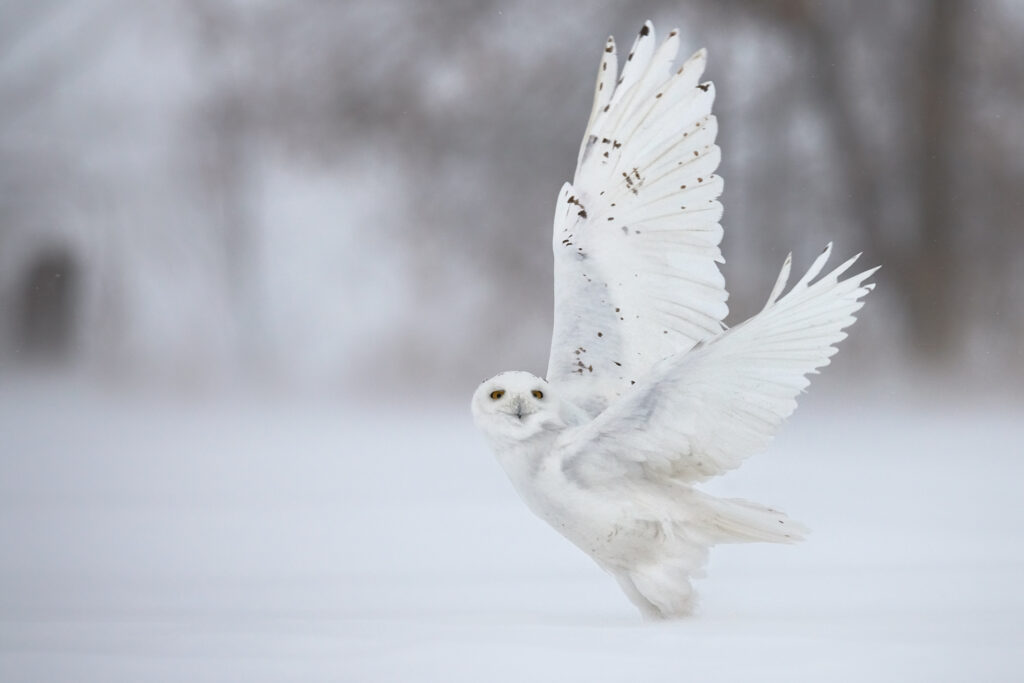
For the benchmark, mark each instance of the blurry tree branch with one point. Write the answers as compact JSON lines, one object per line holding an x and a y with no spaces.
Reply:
{"x":27,"y":87}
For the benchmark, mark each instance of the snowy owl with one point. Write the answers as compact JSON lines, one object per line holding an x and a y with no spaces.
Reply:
{"x":647,"y":392}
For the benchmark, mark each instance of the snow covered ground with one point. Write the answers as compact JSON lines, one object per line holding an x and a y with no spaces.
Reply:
{"x":146,"y":539}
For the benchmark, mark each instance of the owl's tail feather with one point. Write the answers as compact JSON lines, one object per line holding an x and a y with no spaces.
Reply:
{"x":662,"y":589}
{"x":733,"y":520}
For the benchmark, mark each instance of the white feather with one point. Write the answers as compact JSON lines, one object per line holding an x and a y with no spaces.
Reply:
{"x":636,"y":235}
{"x":646,"y":393}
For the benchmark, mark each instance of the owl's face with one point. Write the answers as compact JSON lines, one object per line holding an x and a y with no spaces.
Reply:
{"x":514,"y":405}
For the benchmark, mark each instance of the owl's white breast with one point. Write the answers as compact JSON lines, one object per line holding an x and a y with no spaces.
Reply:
{"x":600,"y":522}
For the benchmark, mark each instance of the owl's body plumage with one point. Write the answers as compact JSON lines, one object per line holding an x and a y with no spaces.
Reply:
{"x":647,"y":392}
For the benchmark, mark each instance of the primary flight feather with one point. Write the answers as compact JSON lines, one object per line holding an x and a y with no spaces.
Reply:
{"x":647,"y":392}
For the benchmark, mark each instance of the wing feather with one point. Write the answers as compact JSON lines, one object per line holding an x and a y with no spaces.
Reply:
{"x":636,"y":234}
{"x":606,"y":75}
{"x":701,"y":414}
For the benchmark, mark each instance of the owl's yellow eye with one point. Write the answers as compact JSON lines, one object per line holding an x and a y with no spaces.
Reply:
{"x":497,"y":393}
{"x":537,"y":393}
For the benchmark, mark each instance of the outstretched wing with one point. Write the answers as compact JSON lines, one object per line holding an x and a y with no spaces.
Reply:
{"x":702,"y":414}
{"x":636,"y":233}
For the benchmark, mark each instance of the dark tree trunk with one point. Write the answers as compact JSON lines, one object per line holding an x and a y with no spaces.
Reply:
{"x":933,"y":278}
{"x":48,"y":300}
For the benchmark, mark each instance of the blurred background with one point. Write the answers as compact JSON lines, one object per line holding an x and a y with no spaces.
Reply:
{"x":255,"y":255}
{"x":328,"y":195}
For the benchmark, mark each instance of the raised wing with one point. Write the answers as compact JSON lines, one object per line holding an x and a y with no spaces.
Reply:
{"x":636,"y":233}
{"x":702,"y":414}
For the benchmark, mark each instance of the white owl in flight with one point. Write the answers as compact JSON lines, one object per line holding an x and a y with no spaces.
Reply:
{"x":647,"y":392}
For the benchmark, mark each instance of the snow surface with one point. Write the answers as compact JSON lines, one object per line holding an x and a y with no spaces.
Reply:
{"x":146,"y":539}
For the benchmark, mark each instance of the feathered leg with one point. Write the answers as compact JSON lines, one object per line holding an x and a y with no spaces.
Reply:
{"x":667,"y":588}
{"x":646,"y":607}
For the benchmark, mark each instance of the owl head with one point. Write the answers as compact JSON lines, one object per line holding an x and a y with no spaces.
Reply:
{"x":515,"y":405}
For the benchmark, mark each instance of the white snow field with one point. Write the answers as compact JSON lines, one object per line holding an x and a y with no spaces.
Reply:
{"x":146,"y":539}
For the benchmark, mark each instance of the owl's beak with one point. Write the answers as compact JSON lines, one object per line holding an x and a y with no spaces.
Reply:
{"x":519,"y":408}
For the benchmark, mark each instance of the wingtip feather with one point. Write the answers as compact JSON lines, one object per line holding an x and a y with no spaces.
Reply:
{"x":816,"y":267}
{"x":845,"y":265}
{"x":780,"y":282}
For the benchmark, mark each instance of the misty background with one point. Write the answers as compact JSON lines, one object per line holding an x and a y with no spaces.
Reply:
{"x":337,"y":195}
{"x":255,"y":255}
